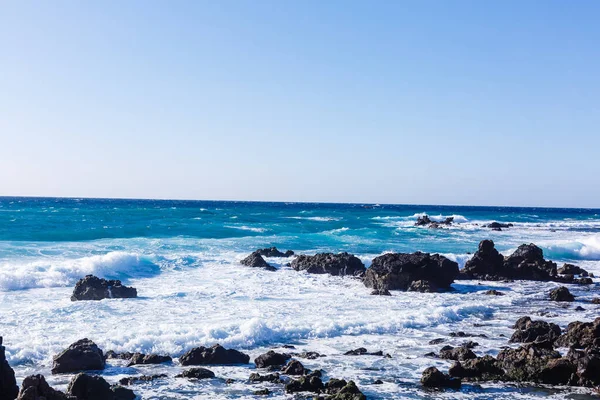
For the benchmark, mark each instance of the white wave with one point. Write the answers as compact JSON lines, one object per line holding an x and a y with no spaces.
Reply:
{"x":339,"y":230}
{"x":321,"y":219}
{"x":65,"y":272}
{"x":247,"y":228}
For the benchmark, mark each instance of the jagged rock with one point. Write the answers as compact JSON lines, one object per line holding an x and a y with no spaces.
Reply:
{"x":94,"y":288}
{"x":35,"y":387}
{"x":570,"y":269}
{"x":534,"y":331}
{"x":294,"y":367}
{"x":311,"y":355}
{"x":561,"y":294}
{"x":273,"y":378}
{"x":118,"y":356}
{"x":493,"y":292}
{"x":581,"y":335}
{"x":255,"y":260}
{"x":381,"y":292}
{"x":397,"y":271}
{"x":486,"y":261}
{"x":457,"y":353}
{"x":8,"y":384}
{"x":361,"y":351}
{"x":328,"y":263}
{"x":216,"y":354}
{"x":196,"y":373}
{"x":83,"y":355}
{"x":130,"y":380}
{"x":93,"y":387}
{"x":262,"y":392}
{"x":139,"y":358}
{"x":424,"y":220}
{"x":423,"y":287}
{"x":498,"y":225}
{"x":271,"y":358}
{"x":480,"y":368}
{"x":305,"y":384}
{"x":559,"y":371}
{"x":596,"y":300}
{"x":463,"y":334}
{"x":433,"y":378}
{"x":274,"y":252}
{"x":342,"y":390}
{"x":526,"y":363}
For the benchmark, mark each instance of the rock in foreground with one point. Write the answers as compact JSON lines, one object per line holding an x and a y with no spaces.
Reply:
{"x":92,"y":387}
{"x":328,"y":263}
{"x":8,"y":384}
{"x":35,"y":387}
{"x":398,"y":271}
{"x":215,"y":355}
{"x":94,"y":288}
{"x":83,"y":355}
{"x":433,"y":378}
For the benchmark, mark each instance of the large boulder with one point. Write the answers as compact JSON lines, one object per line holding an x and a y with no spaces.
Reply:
{"x":305,"y":383}
{"x":197,"y":373}
{"x":274,"y":252}
{"x":255,"y":260}
{"x":433,"y":378}
{"x":397,"y":271}
{"x":339,"y":389}
{"x":581,"y":335}
{"x":528,"y":331}
{"x":8,"y":384}
{"x":329,"y":263}
{"x":215,"y":355}
{"x":460,"y":353}
{"x":526,"y":363}
{"x":480,"y":368}
{"x":271,"y":359}
{"x":94,"y":288}
{"x":35,"y":387}
{"x":486,"y":262}
{"x":570,"y":269}
{"x":83,"y":355}
{"x":294,"y":367}
{"x":93,"y":387}
{"x":139,"y":358}
{"x":561,"y":294}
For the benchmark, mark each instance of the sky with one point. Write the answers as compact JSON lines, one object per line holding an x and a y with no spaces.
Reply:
{"x":411,"y":102}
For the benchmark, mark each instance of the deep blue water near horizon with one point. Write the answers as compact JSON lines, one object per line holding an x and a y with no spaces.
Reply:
{"x":183,"y":256}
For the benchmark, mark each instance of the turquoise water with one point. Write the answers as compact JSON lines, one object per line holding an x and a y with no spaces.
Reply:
{"x":183,"y":256}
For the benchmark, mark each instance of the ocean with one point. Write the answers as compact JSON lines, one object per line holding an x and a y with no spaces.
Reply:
{"x":183,"y":257}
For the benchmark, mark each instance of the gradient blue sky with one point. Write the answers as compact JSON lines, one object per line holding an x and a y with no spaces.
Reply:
{"x":435,"y":102}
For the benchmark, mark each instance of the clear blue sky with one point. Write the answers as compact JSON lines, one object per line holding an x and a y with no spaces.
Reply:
{"x":436,"y":102}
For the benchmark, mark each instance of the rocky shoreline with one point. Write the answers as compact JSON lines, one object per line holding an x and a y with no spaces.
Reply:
{"x":536,"y":361}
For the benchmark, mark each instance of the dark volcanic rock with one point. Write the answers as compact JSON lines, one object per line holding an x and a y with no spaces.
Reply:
{"x":93,"y":387}
{"x":581,"y":335}
{"x":342,"y":390}
{"x":35,"y":387}
{"x":498,"y":225}
{"x":493,"y":292}
{"x":526,"y":363}
{"x":570,"y":269}
{"x":397,"y":271}
{"x":271,"y":358}
{"x":139,"y":358}
{"x":274,"y":252}
{"x":423,"y":287}
{"x":294,"y":367}
{"x":305,"y":384}
{"x":311,"y":355}
{"x":561,"y":294}
{"x":329,"y":263}
{"x":534,"y":331}
{"x":196,"y":373}
{"x":481,"y":368}
{"x":262,"y":392}
{"x":130,"y":380}
{"x":216,"y":354}
{"x":424,"y":220}
{"x":457,"y":353}
{"x":433,"y":378}
{"x":83,"y":355}
{"x":273,"y":378}
{"x":255,"y":260}
{"x":94,"y":288}
{"x":8,"y":384}
{"x":437,"y":341}
{"x":486,"y":261}
{"x":361,"y":351}
{"x":381,"y":292}
{"x":118,"y":356}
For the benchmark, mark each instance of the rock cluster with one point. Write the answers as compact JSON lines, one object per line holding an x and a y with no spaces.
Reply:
{"x":328,"y":263}
{"x":94,"y":288}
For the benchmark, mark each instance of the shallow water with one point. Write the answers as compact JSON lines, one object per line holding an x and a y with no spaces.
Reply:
{"x":183,"y":257}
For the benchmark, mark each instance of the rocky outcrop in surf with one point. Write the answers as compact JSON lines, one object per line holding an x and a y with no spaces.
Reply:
{"x":83,"y":355}
{"x":255,"y":260}
{"x":215,"y":355}
{"x":8,"y":384}
{"x":498,"y":226}
{"x":144,"y":359}
{"x":424,"y":220}
{"x":561,"y":294}
{"x":529,"y":331}
{"x":398,"y":271}
{"x":35,"y":387}
{"x":94,"y":288}
{"x":271,"y":359}
{"x":434,"y":378}
{"x":328,"y":263}
{"x":93,"y":387}
{"x":274,"y":252}
{"x":196,"y":373}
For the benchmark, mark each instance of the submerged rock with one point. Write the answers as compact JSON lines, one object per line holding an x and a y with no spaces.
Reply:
{"x":561,"y":294}
{"x":94,"y":288}
{"x":274,"y":252}
{"x":397,"y":271}
{"x":35,"y":387}
{"x":196,"y":373}
{"x":83,"y":355}
{"x":433,"y":378}
{"x":215,"y":355}
{"x":380,"y":292}
{"x":493,"y":292}
{"x":498,"y":225}
{"x":255,"y":260}
{"x":328,"y":263}
{"x":8,"y":384}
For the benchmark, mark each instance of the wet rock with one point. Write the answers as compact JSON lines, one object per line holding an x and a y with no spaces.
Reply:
{"x":424,"y":220}
{"x":581,"y":335}
{"x":8,"y":384}
{"x":255,"y":260}
{"x":262,"y":392}
{"x":596,"y":300}
{"x":305,"y":384}
{"x":196,"y":373}
{"x":130,"y":380}
{"x":272,"y":378}
{"x":381,"y":292}
{"x":561,"y":294}
{"x":579,"y":308}
{"x":93,"y":387}
{"x":534,"y":331}
{"x":361,"y":351}
{"x":83,"y":355}
{"x":274,"y":252}
{"x":94,"y":288}
{"x":486,"y":261}
{"x":559,"y":371}
{"x":139,"y":358}
{"x":480,"y":368}
{"x":437,"y":341}
{"x":498,"y":225}
{"x":118,"y":356}
{"x":342,"y":390}
{"x":570,"y":269}
{"x":456,"y":353}
{"x":271,"y":358}
{"x":526,"y":363}
{"x":328,"y":263}
{"x":433,"y":378}
{"x":397,"y":271}
{"x":294,"y":367}
{"x":35,"y":387}
{"x":493,"y":292}
{"x":310,"y":355}
{"x":377,"y":382}
{"x":216,"y":354}
{"x":469,"y":345}
{"x":423,"y":287}
{"x":464,"y":334}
